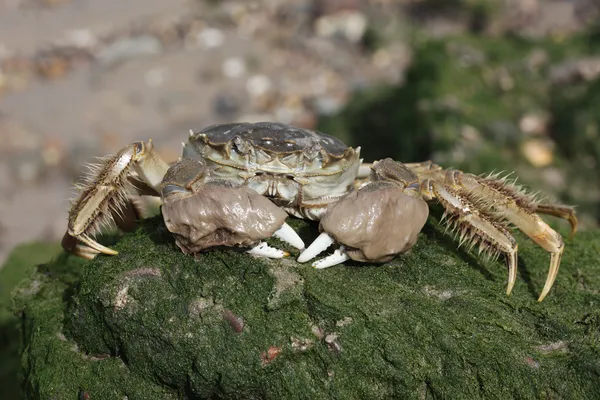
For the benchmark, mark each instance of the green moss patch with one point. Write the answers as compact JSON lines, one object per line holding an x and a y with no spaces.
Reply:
{"x":435,"y":323}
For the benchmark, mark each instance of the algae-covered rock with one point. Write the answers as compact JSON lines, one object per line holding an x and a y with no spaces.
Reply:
{"x":19,"y":265}
{"x":153,"y":323}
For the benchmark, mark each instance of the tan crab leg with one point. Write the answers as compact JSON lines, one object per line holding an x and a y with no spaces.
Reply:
{"x":518,"y":209}
{"x":106,"y":193}
{"x":473,"y":226}
{"x":564,"y":212}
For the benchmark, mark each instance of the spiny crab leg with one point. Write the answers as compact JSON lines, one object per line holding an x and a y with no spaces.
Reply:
{"x":317,"y":247}
{"x":289,"y":235}
{"x":473,"y":226}
{"x":264,"y":250}
{"x":520,"y":210}
{"x":105,"y":194}
{"x":500,"y":201}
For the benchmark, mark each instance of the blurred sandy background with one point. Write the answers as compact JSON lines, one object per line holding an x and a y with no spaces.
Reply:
{"x":472,"y":84}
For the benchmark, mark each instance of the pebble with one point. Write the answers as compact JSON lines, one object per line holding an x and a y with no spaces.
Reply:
{"x":349,"y":24}
{"x":328,"y":105}
{"x":81,"y":38}
{"x":258,"y":85}
{"x":538,"y":152}
{"x":129,"y":48}
{"x":534,"y":124}
{"x":210,"y":38}
{"x":234,"y":67}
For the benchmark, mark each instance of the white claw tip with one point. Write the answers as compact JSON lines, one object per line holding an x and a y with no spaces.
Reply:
{"x":338,"y":257}
{"x":264,"y":250}
{"x":289,"y":235}
{"x":317,"y":247}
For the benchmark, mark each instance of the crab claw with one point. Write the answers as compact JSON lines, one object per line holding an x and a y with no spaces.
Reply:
{"x":289,"y":235}
{"x":371,"y":224}
{"x":264,"y":250}
{"x":317,"y":247}
{"x":338,"y":257}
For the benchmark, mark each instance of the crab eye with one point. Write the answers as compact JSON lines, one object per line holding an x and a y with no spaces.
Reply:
{"x":138,"y":147}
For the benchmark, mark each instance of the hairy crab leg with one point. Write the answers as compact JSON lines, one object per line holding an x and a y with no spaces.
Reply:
{"x":474,"y":226}
{"x":563,"y":212}
{"x":507,"y":201}
{"x":106,"y":194}
{"x":510,"y":204}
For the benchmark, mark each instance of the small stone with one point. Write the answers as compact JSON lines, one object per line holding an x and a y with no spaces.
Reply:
{"x":268,"y":356}
{"x":344,"y":322}
{"x":127,"y":48}
{"x":81,"y":38}
{"x":328,"y":105}
{"x":236,"y":323}
{"x":301,"y":344}
{"x":332,"y":342}
{"x":533,"y":124}
{"x":258,"y":85}
{"x":233,"y":67}
{"x":559,"y":346}
{"x":349,"y":24}
{"x":538,"y":152}
{"x":210,"y":38}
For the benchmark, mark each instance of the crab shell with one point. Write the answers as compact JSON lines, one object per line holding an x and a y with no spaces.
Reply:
{"x":300,"y":170}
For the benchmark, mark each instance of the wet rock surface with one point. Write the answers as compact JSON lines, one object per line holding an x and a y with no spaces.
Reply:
{"x":154,"y":323}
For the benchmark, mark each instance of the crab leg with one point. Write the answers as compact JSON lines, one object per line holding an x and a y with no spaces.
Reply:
{"x":106,"y":194}
{"x":473,"y":226}
{"x":564,"y":212}
{"x":519,"y":209}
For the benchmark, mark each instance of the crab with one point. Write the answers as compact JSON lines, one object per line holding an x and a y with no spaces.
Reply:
{"x":235,"y":184}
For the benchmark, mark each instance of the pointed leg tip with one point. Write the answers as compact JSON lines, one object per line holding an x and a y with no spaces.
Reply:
{"x":541,"y":298}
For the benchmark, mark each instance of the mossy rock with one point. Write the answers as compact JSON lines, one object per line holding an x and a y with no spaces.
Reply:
{"x":153,"y":323}
{"x":18,"y":266}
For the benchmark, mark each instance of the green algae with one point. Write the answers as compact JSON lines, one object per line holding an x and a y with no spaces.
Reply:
{"x":19,"y":265}
{"x":461,"y":103}
{"x":434,"y":323}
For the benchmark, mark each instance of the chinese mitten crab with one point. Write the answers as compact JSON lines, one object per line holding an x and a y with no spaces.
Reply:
{"x":235,"y":185}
